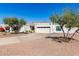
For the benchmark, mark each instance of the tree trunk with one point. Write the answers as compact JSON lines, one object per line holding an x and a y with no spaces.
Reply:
{"x":64,"y":34}
{"x":74,"y":33}
{"x":63,"y":31}
{"x":68,"y":32}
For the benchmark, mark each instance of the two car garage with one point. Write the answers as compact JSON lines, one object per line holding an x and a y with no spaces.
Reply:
{"x":42,"y":28}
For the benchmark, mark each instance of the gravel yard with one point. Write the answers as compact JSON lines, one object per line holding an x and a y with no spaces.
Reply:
{"x":36,"y":45}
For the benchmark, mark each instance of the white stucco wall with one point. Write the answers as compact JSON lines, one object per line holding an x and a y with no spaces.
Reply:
{"x":65,"y":29}
{"x":24,"y":28}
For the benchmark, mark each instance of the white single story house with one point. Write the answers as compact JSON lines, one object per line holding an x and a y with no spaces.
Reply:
{"x":46,"y":27}
{"x":42,"y":27}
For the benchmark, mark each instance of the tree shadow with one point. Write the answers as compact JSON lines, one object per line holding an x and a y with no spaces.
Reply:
{"x":61,"y":39}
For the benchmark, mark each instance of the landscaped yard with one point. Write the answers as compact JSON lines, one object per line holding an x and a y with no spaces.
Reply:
{"x":37,"y":45}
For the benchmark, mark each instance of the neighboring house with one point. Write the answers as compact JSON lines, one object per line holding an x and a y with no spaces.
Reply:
{"x":46,"y":27}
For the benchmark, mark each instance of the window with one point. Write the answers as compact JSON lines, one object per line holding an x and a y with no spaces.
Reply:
{"x":43,"y":27}
{"x":58,"y":28}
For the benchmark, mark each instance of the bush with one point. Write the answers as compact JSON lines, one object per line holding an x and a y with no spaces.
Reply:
{"x":29,"y":31}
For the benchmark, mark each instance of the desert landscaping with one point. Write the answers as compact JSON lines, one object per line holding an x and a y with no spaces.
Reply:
{"x":37,"y":45}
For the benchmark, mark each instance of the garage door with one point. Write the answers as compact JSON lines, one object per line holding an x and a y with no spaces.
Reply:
{"x":43,"y":29}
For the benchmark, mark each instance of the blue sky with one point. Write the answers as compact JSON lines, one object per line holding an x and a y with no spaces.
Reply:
{"x":33,"y":12}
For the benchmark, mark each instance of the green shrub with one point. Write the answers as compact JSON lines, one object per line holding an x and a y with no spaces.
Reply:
{"x":29,"y":31}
